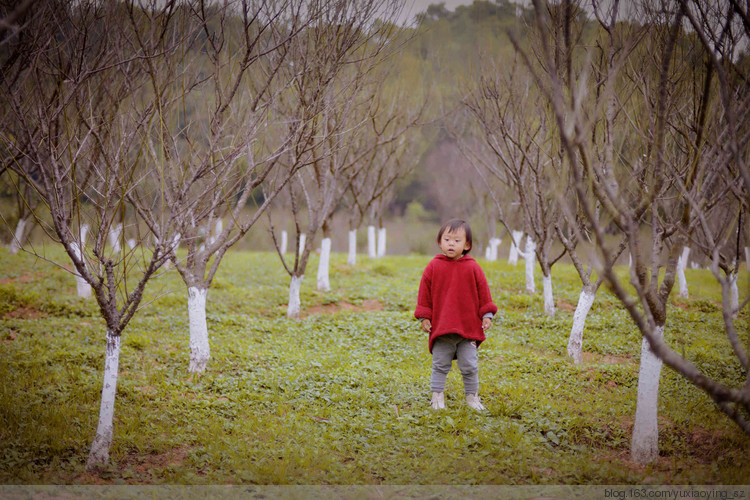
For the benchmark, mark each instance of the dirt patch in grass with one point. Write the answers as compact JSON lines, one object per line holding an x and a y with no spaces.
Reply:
{"x":134,"y":468}
{"x":24,"y":312}
{"x":590,"y":357}
{"x":564,"y":305}
{"x":342,"y":305}
{"x":24,"y":278}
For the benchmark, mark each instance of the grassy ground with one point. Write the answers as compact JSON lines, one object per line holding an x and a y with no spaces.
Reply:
{"x":342,"y":396}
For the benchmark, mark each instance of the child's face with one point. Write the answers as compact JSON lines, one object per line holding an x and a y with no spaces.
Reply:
{"x":453,"y":243}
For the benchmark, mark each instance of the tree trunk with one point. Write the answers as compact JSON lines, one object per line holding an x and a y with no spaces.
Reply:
{"x":734,"y":295}
{"x":82,"y":287}
{"x":682,"y":263}
{"x":114,"y":237}
{"x":284,"y":238}
{"x":371,"y":243}
{"x":293,"y":308}
{"x":575,"y":342}
{"x":352,"y":258}
{"x":530,"y":257}
{"x":218,"y":229}
{"x":549,"y":300}
{"x":200,"y":351}
{"x":381,"y":242}
{"x":19,"y":237}
{"x":324,"y":283}
{"x":302,"y":243}
{"x":645,"y":443}
{"x":747,"y":258}
{"x":515,"y":241}
{"x":99,"y":454}
{"x":492,"y":249}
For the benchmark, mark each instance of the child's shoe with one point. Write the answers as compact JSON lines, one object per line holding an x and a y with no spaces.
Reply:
{"x":438,"y":401}
{"x":473,"y":401}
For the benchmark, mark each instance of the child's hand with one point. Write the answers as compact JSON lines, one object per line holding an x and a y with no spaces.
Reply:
{"x":486,"y":323}
{"x":426,"y":325}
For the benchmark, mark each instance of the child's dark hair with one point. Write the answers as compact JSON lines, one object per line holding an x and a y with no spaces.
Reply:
{"x":451,"y":226}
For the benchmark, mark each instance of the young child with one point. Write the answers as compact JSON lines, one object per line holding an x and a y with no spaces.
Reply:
{"x":455,"y":307}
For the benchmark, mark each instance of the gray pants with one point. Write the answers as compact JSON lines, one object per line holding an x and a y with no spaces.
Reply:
{"x":445,"y":348}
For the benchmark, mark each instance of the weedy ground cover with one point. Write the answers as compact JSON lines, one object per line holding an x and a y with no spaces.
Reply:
{"x":342,"y":395}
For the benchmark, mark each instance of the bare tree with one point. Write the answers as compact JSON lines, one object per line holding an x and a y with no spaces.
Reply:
{"x":337,"y":58}
{"x":74,"y":135}
{"x":216,"y":135}
{"x":388,"y":152}
{"x":663,"y":179}
{"x":517,"y":130}
{"x":26,"y":203}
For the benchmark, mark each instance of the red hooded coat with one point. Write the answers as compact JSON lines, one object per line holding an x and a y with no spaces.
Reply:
{"x":454,"y":296}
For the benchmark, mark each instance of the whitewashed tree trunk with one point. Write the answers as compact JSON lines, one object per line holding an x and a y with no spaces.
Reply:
{"x":219,"y":227}
{"x":644,"y":446}
{"x":200,"y":350}
{"x":515,"y":242}
{"x":381,"y":242}
{"x":682,"y":263}
{"x":302,"y":243}
{"x":131,"y":243}
{"x":734,"y":295}
{"x":114,"y":237}
{"x":492,"y":249}
{"x":352,"y":258}
{"x":99,"y":454}
{"x":371,"y":242}
{"x":575,"y":341}
{"x":747,"y":258}
{"x":324,"y":283}
{"x":18,"y":236}
{"x":175,"y":245}
{"x":530,"y":257}
{"x":549,"y":299}
{"x":294,"y":306}
{"x":82,"y":287}
{"x":284,"y":239}
{"x":630,"y":260}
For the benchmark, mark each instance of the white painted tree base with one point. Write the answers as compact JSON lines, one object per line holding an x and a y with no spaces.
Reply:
{"x":492,"y":249}
{"x":371,"y":242}
{"x":294,"y":306}
{"x":530,"y":257}
{"x":114,"y":237}
{"x":200,"y":350}
{"x":514,"y":244}
{"x":734,"y":295}
{"x":381,"y":242}
{"x":575,"y":341}
{"x":83,"y":289}
{"x":99,"y":454}
{"x":324,"y":283}
{"x":549,"y":300}
{"x":351,"y":259}
{"x":644,"y":447}
{"x":682,"y":263}
{"x":284,"y":240}
{"x":18,"y":237}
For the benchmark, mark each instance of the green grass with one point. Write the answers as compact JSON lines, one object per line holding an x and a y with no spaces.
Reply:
{"x":343,"y":398}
